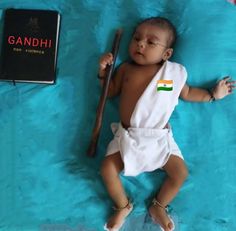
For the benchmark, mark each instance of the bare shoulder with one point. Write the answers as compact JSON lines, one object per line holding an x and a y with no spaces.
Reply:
{"x":121,"y":70}
{"x":123,"y":67}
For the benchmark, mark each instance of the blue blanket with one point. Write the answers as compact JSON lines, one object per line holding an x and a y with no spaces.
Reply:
{"x":48,"y":183}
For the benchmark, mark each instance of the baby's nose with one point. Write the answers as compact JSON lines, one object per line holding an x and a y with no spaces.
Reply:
{"x":141,"y":43}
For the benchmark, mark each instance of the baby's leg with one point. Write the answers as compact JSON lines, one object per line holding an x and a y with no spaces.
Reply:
{"x":176,"y":174}
{"x":111,"y":167}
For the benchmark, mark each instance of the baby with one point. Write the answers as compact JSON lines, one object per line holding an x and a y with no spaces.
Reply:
{"x":149,"y":86}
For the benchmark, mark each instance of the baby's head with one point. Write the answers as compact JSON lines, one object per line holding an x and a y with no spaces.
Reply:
{"x":152,"y":41}
{"x":165,"y":25}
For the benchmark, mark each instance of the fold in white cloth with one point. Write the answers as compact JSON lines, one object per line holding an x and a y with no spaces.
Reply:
{"x":146,"y":145}
{"x":142,"y":149}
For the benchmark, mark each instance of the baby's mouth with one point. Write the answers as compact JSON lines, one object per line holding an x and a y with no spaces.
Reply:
{"x":139,"y":53}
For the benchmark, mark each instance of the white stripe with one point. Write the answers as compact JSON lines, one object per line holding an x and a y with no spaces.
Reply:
{"x":165,"y":85}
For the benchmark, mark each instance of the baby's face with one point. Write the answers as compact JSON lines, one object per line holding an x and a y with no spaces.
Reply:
{"x":149,"y":44}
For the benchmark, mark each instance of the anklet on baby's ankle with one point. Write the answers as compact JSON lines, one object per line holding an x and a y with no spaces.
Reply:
{"x":128,"y":205}
{"x":156,"y":202}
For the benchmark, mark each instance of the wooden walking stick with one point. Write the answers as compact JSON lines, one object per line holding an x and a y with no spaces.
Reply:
{"x":109,"y":70}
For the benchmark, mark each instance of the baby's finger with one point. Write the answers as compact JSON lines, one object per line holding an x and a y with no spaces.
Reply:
{"x":110,"y":54}
{"x":232,"y":82}
{"x":226,"y":78}
{"x":222,"y":82}
{"x":110,"y":62}
{"x":110,"y":58}
{"x":231,"y":90}
{"x":103,"y":65}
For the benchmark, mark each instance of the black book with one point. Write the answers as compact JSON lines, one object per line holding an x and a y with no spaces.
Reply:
{"x":29,"y":45}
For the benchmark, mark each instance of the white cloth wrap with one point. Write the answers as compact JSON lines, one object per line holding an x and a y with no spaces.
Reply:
{"x":145,"y":145}
{"x":142,"y":149}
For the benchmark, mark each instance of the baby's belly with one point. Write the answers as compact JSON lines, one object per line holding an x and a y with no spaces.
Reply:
{"x":130,"y":94}
{"x":126,"y":111}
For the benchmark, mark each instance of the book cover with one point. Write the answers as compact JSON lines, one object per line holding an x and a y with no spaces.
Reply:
{"x":29,"y":45}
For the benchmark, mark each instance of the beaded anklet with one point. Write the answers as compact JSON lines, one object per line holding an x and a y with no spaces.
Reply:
{"x":128,"y":206}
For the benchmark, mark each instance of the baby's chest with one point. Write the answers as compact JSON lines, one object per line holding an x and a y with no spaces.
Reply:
{"x":135,"y":83}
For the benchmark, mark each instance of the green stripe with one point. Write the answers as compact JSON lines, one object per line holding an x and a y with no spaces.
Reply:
{"x":165,"y":88}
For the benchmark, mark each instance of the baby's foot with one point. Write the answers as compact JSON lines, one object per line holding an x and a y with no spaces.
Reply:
{"x":117,"y":220}
{"x":160,"y":216}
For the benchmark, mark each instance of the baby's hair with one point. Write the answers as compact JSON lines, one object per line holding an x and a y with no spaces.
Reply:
{"x":163,"y":23}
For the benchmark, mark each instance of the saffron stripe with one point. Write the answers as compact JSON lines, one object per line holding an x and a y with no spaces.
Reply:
{"x":165,"y":81}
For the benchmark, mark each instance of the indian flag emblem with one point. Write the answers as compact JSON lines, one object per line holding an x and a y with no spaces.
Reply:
{"x":165,"y":85}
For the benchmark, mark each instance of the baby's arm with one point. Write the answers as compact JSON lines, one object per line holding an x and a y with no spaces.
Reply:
{"x":116,"y":80}
{"x":223,"y":88}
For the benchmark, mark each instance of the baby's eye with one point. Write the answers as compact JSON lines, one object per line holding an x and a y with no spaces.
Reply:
{"x":136,"y":38}
{"x":152,"y":43}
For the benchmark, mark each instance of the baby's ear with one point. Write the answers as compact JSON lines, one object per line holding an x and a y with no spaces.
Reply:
{"x":167,"y":54}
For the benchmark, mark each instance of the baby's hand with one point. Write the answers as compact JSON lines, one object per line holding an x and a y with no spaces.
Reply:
{"x":106,"y":59}
{"x":223,"y":88}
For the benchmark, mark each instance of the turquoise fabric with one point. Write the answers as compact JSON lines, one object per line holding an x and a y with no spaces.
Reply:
{"x":48,"y":183}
